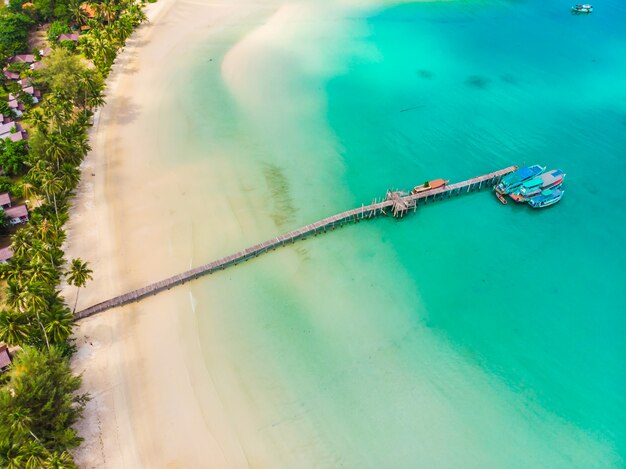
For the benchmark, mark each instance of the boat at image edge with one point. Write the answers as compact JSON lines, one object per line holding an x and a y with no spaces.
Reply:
{"x":513,"y":181}
{"x":582,"y":8}
{"x":533,"y":187}
{"x":546,"y":198}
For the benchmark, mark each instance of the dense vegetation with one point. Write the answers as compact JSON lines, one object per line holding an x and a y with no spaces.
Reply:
{"x":14,"y":28}
{"x":38,"y":400}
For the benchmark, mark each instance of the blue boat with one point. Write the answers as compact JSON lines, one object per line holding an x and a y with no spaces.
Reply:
{"x":546,"y":198}
{"x":513,"y":181}
{"x":533,"y":187}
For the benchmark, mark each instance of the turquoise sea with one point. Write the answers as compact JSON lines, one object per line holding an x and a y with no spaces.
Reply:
{"x":469,"y":334}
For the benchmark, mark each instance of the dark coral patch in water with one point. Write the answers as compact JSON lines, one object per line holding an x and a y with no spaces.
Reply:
{"x":476,"y":81}
{"x":509,"y":78}
{"x":425,"y":74}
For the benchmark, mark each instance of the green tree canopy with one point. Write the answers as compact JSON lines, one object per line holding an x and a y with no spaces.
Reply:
{"x":14,"y":29}
{"x":12,"y":156}
{"x":56,"y":29}
{"x":67,"y":77}
{"x":38,"y":407}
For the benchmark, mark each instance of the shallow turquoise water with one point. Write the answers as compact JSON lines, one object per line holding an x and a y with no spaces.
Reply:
{"x":532,"y":296}
{"x":469,"y":334}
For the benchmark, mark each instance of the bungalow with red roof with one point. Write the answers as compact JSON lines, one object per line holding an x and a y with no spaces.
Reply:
{"x":5,"y":119}
{"x":90,"y":11}
{"x":37,"y":66}
{"x":46,"y":51}
{"x":22,"y":59}
{"x":11,"y":75}
{"x":69,"y":37}
{"x":17,"y":214}
{"x":5,"y":358}
{"x":33,"y":92}
{"x":5,"y":200}
{"x":18,"y":136}
{"x":5,"y":254}
{"x":9,"y":128}
{"x":17,"y":106}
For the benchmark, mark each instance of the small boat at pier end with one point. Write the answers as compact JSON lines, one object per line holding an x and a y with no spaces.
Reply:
{"x":513,"y":181}
{"x":582,"y":8}
{"x":546,"y":198}
{"x":533,"y":187}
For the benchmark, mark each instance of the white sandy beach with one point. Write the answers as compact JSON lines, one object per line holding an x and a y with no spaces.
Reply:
{"x":140,"y":363}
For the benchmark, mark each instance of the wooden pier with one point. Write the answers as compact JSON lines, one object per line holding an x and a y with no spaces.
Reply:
{"x":398,"y":203}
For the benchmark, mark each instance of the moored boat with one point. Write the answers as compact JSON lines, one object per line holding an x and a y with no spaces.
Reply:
{"x":582,"y":8}
{"x":534,"y":186}
{"x":546,"y":197}
{"x":430,"y":185}
{"x":513,"y":181}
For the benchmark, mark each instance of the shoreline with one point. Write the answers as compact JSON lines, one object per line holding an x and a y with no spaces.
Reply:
{"x":114,"y":350}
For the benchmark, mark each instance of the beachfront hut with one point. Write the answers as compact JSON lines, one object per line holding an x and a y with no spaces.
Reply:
{"x":22,"y":59}
{"x":18,"y":108}
{"x":33,"y":92}
{"x":69,"y":37}
{"x":90,"y":12}
{"x":18,"y":136}
{"x":17,"y":214}
{"x":5,"y":254}
{"x":8,"y":128}
{"x":11,"y":75}
{"x":5,"y":357}
{"x":5,"y":200}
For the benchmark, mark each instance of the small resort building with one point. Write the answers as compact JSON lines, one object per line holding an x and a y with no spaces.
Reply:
{"x":5,"y":200}
{"x":11,"y":75}
{"x":7,"y":354}
{"x":22,"y":59}
{"x":5,"y":357}
{"x":69,"y":37}
{"x":89,"y":11}
{"x":17,"y":214}
{"x":5,"y":254}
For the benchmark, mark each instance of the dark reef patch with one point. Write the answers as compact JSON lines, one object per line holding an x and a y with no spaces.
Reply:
{"x":425,"y":74}
{"x":478,"y":82}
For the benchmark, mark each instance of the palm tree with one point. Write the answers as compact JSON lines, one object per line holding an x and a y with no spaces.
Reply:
{"x":58,"y":320}
{"x":69,"y":175}
{"x":77,"y":14}
{"x":33,"y":453}
{"x":39,"y":121}
{"x":52,"y":185}
{"x":14,"y":327}
{"x":34,"y":300}
{"x":12,"y":294}
{"x":30,"y":192}
{"x":20,"y":243}
{"x":57,"y":149}
{"x":78,"y":276}
{"x":60,"y":460}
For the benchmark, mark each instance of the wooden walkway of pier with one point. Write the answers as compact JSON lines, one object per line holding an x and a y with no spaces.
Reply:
{"x":397,"y":203}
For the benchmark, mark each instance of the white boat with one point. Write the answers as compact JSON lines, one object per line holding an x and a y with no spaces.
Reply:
{"x":582,"y":8}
